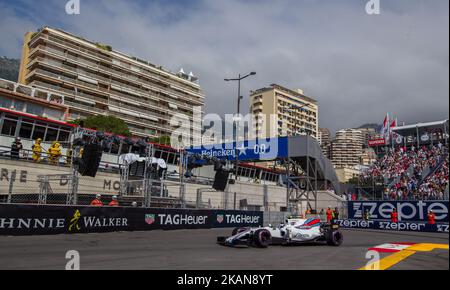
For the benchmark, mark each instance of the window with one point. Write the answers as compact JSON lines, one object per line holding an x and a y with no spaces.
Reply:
{"x":52,"y":134}
{"x":158,"y":154}
{"x":9,"y":127}
{"x":135,"y":149}
{"x":164,"y":155}
{"x":54,"y":114}
{"x":35,"y":109}
{"x":19,"y":105}
{"x":114,"y":148}
{"x":172,"y":158}
{"x":63,"y":136}
{"x":25,"y":130}
{"x":125,"y":149}
{"x":5,"y":102}
{"x":39,"y":132}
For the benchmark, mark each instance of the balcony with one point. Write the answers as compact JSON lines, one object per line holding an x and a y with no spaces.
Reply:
{"x":85,"y":107}
{"x":108,"y":71}
{"x":74,"y":83}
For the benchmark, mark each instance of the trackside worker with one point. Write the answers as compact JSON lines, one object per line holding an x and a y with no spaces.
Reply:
{"x":329,"y":215}
{"x":431,"y":218}
{"x":97,"y":201}
{"x":394,"y":216}
{"x":307,"y":212}
{"x":335,"y":215}
{"x":37,"y":150}
{"x":54,"y":152}
{"x":114,"y":201}
{"x":366,"y":215}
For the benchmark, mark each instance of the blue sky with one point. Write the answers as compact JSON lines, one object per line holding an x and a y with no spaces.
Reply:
{"x":357,"y":66}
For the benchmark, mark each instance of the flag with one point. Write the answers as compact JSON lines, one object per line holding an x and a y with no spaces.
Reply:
{"x":385,"y":129}
{"x":393,"y":124}
{"x":392,"y":135}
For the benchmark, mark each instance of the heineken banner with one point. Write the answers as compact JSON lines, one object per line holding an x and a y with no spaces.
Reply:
{"x":49,"y":220}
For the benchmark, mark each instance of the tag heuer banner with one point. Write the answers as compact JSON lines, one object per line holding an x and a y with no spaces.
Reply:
{"x":49,"y":220}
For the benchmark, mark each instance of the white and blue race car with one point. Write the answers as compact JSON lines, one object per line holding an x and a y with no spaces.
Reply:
{"x":293,"y":232}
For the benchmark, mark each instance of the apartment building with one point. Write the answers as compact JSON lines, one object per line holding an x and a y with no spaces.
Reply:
{"x":293,"y":113}
{"x":94,"y":79}
{"x":368,"y":134}
{"x":347,"y":148}
{"x":325,"y":140}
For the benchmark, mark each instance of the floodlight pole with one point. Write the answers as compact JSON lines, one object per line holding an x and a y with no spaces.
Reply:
{"x":239,"y":79}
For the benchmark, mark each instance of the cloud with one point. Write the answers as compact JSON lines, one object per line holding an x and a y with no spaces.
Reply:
{"x":357,"y":66}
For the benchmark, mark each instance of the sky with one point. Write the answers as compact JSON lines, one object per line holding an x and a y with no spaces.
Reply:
{"x":358,"y":66}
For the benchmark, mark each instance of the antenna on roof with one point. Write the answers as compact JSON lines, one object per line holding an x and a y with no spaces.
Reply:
{"x":192,"y":78}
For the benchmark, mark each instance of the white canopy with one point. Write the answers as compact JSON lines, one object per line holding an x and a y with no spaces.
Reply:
{"x":132,"y":158}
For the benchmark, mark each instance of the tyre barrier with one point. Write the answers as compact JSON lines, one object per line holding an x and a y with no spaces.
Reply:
{"x":406,"y":226}
{"x":19,"y":220}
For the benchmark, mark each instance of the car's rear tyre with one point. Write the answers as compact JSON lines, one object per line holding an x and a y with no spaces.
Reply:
{"x":262,"y":238}
{"x":335,"y":238}
{"x":238,"y":231}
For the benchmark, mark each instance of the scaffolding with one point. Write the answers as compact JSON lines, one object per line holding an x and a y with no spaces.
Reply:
{"x":301,"y":185}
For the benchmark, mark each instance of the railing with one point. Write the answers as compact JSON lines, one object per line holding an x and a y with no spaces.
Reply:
{"x":63,"y":161}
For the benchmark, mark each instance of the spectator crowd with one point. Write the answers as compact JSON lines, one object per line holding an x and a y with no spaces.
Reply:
{"x":412,"y":174}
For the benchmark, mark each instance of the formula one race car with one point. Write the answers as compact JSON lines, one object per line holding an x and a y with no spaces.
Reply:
{"x":293,"y":232}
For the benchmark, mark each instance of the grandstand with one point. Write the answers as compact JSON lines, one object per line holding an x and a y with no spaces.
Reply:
{"x":415,"y":166}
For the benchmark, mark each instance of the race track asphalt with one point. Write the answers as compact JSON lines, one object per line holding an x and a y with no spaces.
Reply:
{"x":197,"y":250}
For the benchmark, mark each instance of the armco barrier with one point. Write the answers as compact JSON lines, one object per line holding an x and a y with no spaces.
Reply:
{"x":49,"y":220}
{"x":407,"y":210}
{"x":390,"y":226}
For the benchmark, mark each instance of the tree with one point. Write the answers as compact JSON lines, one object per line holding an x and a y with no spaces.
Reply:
{"x":9,"y":69}
{"x":108,"y":124}
{"x":163,"y":140}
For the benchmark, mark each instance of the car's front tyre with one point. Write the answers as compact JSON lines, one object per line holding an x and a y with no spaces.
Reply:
{"x":262,"y":238}
{"x":334,"y":238}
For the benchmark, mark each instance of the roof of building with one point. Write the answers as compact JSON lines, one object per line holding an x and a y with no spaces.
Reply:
{"x":284,"y":89}
{"x":421,"y":127}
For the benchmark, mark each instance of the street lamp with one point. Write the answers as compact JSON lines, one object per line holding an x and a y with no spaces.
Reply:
{"x":238,"y":79}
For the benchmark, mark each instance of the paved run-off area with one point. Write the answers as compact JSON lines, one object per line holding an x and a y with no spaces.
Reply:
{"x":197,"y":250}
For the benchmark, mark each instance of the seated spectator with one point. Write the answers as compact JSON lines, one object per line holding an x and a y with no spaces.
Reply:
{"x":97,"y":201}
{"x":114,"y":201}
{"x":413,"y":174}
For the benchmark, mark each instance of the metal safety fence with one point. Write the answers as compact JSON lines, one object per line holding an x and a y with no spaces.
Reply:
{"x":27,"y":182}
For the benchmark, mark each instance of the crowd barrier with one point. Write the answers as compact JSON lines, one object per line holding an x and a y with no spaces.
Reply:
{"x":409,"y":226}
{"x":17,"y":220}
